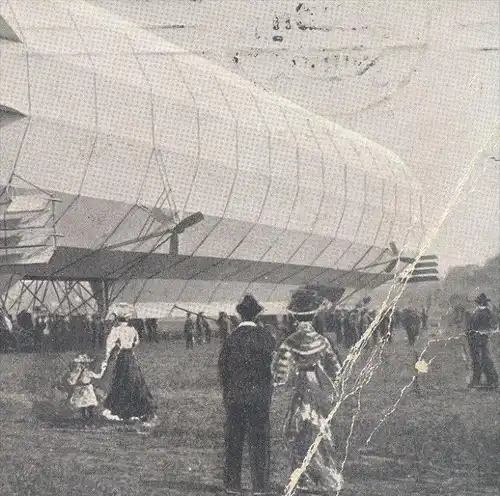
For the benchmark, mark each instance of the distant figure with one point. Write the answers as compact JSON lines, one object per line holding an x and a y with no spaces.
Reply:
{"x":189,"y":331}
{"x":139,"y":326}
{"x":385,"y":327}
{"x":48,"y":338}
{"x":482,"y":322}
{"x":206,"y":330}
{"x":55,"y":325}
{"x":44,"y":327}
{"x":377,"y":330}
{"x":19,"y":335}
{"x":411,"y":323}
{"x":38,"y":328}
{"x":200,"y":330}
{"x":351,"y":329}
{"x":95,"y":328}
{"x":423,"y":319}
{"x":458,"y":317}
{"x":245,"y":374}
{"x":7,"y":338}
{"x":273,"y":330}
{"x":224,"y":326}
{"x":6,"y":320}
{"x":275,"y":321}
{"x":364,"y":320}
{"x":336,"y":325}
{"x":152,"y":329}
{"x":65,"y":329}
{"x":397,"y":317}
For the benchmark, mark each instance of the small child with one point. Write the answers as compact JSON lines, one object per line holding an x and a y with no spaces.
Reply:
{"x":83,"y":395}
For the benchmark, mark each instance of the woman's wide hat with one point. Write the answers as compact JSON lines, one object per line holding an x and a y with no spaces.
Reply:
{"x":83,"y":358}
{"x":249,"y":307}
{"x":125,"y":311}
{"x":482,"y":299}
{"x":305,"y":302}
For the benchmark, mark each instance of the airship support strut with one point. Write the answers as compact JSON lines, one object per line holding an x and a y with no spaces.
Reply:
{"x":38,"y":295}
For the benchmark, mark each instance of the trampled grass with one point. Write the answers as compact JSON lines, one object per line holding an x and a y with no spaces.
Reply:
{"x":442,"y":439}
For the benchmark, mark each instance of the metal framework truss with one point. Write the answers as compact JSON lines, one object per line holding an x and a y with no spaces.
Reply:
{"x":56,"y":297}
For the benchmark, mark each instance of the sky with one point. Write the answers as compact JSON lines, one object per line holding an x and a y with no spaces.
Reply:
{"x":429,"y":88}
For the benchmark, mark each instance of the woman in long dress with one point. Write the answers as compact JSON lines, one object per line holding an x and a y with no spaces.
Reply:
{"x":307,"y":360}
{"x":129,"y":397}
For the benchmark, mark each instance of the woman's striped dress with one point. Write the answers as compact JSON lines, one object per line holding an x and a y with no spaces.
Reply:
{"x":307,"y":360}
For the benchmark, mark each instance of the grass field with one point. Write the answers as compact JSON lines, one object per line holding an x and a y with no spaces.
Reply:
{"x":441,"y":439}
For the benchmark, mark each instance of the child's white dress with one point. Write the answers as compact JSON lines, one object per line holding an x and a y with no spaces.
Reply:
{"x":83,"y":395}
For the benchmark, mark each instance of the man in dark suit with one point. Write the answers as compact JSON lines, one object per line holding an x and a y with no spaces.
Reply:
{"x":482,"y":322}
{"x":224,"y":326}
{"x":189,"y":331}
{"x":411,"y":323}
{"x":245,"y":373}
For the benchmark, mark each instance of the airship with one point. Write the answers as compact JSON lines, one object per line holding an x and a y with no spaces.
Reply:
{"x":133,"y":170}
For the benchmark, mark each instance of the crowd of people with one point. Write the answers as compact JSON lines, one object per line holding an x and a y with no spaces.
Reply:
{"x":345,"y":325}
{"x":258,"y":355}
{"x":197,"y":330}
{"x":40,"y":331}
{"x":43,"y":331}
{"x":349,"y":324}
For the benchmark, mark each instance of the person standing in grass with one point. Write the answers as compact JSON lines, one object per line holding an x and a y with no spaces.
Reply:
{"x":245,"y":374}
{"x":189,"y":332}
{"x":152,"y":329}
{"x":411,"y":323}
{"x":200,"y":329}
{"x":350,"y":329}
{"x":129,"y":397}
{"x":482,"y":323}
{"x":224,"y":326}
{"x":206,"y":329}
{"x":83,"y":396}
{"x":308,"y":358}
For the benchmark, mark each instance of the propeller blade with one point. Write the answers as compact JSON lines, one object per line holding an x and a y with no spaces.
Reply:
{"x":394,"y":248}
{"x":390,"y":267}
{"x":188,"y":221}
{"x":332,"y":294}
{"x":418,"y":272}
{"x":423,"y":265}
{"x":421,"y":279}
{"x":406,"y":259}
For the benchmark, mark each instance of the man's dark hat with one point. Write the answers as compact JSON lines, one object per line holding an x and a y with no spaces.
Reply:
{"x":249,"y":307}
{"x":305,"y":302}
{"x":482,"y":299}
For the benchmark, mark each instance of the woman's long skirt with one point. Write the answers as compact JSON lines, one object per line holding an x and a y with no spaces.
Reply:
{"x":305,"y":420}
{"x":129,"y":396}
